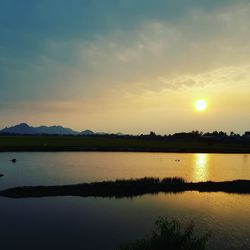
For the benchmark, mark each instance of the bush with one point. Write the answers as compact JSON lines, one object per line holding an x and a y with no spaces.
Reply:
{"x":168,"y":235}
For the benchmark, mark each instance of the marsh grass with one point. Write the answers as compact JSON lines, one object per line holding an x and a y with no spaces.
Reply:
{"x":128,"y":188}
{"x":152,"y":181}
{"x":168,"y":235}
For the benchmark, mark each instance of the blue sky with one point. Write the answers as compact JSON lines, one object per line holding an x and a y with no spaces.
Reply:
{"x":130,"y":66}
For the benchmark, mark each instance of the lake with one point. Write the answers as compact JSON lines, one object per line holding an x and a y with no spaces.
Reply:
{"x":104,"y":223}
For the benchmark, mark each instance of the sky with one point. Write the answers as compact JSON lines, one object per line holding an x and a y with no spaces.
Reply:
{"x":130,"y":66}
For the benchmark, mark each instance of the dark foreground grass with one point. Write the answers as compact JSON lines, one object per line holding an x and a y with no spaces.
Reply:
{"x":95,"y":143}
{"x":128,"y":188}
{"x":168,"y":235}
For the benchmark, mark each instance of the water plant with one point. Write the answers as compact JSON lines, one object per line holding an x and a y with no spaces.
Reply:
{"x":169,"y":235}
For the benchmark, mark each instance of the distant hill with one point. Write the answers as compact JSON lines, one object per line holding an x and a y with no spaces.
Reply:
{"x":59,"y":130}
{"x":87,"y":132}
{"x":24,"y":128}
{"x":21,"y":128}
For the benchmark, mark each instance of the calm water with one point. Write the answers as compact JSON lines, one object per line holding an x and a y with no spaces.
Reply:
{"x":75,"y":167}
{"x":103,"y":223}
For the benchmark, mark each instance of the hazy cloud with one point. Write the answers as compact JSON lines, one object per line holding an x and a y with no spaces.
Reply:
{"x":91,"y":52}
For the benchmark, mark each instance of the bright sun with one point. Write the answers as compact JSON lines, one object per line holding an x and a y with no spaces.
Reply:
{"x":200,"y":105}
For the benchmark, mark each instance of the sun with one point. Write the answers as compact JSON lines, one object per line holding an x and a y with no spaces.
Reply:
{"x":200,"y":105}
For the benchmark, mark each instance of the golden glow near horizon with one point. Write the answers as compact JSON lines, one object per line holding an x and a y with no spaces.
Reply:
{"x":200,"y":105}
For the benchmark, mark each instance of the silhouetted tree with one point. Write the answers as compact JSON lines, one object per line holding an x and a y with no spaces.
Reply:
{"x":152,"y":133}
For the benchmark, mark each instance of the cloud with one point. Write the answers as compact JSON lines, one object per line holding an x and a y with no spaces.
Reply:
{"x":156,"y":54}
{"x":98,"y":55}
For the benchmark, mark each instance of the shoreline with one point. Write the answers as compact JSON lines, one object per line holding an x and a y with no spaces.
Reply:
{"x":138,"y":150}
{"x":119,"y":144}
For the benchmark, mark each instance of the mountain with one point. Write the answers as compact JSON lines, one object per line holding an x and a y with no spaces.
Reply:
{"x":87,"y":132}
{"x":55,"y":130}
{"x":21,"y":128}
{"x":24,"y":128}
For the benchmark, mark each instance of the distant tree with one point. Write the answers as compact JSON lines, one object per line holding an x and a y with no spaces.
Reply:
{"x":232,"y":134}
{"x":222,"y":134}
{"x":215,"y":133}
{"x":195,"y":132}
{"x":152,"y":133}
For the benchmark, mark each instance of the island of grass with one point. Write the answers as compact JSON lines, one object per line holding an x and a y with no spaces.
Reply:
{"x":128,"y":188}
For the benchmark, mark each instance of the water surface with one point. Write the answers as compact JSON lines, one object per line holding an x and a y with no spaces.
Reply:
{"x":103,"y":223}
{"x":76,"y":167}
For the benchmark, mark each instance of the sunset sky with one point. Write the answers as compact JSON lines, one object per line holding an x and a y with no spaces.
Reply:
{"x":127,"y":66}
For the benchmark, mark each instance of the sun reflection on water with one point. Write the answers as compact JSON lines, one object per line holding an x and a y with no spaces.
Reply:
{"x":201,"y":167}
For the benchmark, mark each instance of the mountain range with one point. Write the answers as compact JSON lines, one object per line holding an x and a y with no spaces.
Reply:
{"x":24,"y":128}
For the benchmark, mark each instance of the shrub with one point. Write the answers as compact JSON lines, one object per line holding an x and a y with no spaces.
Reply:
{"x":168,"y":235}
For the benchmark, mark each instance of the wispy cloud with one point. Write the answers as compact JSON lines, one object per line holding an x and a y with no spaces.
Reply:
{"x":154,"y":54}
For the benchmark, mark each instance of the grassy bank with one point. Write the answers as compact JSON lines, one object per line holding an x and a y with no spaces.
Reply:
{"x":84,"y":143}
{"x":128,"y":188}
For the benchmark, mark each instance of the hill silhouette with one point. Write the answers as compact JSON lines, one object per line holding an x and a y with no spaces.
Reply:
{"x":24,"y":128}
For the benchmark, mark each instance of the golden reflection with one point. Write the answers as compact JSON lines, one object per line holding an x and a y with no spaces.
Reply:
{"x":201,"y":167}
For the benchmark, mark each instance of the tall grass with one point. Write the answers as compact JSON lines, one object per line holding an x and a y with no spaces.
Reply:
{"x":152,"y":181}
{"x":173,"y":180}
{"x":168,"y":235}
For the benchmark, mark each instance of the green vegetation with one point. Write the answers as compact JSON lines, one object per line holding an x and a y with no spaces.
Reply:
{"x":109,"y":143}
{"x":168,"y":235}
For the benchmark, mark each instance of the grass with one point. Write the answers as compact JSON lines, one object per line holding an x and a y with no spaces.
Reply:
{"x":128,"y":188}
{"x":96,"y":143}
{"x":168,"y":235}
